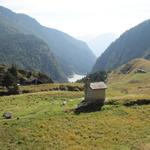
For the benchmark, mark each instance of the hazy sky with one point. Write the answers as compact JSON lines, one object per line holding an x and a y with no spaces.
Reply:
{"x":84,"y":17}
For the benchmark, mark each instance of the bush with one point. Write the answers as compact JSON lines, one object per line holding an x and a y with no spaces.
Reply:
{"x":14,"y":89}
{"x":10,"y":81}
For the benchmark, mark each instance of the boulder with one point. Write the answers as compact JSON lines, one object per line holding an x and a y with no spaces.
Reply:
{"x":140,"y":71}
{"x":76,"y":89}
{"x":63,"y":88}
{"x":7,"y":115}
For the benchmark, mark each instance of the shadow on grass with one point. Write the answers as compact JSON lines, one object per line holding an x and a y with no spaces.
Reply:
{"x":137,"y":102}
{"x":87,"y":107}
{"x":4,"y":93}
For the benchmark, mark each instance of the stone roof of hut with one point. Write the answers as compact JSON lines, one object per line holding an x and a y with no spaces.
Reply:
{"x":98,"y":85}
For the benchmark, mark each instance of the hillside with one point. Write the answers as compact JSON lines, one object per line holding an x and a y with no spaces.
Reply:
{"x":126,"y":81}
{"x":25,"y":77}
{"x":134,"y":65}
{"x":30,"y":53}
{"x":134,"y":43}
{"x":42,"y":121}
{"x":72,"y":54}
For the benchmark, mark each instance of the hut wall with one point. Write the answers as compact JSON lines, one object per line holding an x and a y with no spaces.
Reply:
{"x":95,"y":94}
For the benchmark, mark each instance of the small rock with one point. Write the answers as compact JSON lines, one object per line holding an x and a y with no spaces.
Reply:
{"x":64,"y":103}
{"x":76,"y":89}
{"x":7,"y":115}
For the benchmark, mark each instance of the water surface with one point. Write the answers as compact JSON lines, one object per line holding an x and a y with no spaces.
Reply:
{"x":75,"y":77}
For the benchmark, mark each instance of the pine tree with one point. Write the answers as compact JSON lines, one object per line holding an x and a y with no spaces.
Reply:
{"x":10,"y":80}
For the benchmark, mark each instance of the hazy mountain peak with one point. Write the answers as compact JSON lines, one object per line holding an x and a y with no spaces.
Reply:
{"x":99,"y":43}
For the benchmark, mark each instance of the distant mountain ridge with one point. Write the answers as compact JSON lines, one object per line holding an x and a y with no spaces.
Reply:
{"x":101,"y":42}
{"x":134,"y":43}
{"x":71,"y":54}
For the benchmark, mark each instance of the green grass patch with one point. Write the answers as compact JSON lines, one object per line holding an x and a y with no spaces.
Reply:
{"x":42,"y":122}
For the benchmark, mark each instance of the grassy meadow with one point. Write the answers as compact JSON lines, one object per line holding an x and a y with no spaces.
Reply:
{"x":41,"y":121}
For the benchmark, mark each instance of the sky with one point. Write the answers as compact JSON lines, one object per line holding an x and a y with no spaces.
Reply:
{"x":84,"y":17}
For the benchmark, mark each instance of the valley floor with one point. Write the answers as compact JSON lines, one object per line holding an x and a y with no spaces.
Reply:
{"x":41,"y":121}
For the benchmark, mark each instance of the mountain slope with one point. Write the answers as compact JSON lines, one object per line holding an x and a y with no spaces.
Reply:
{"x":72,"y":54}
{"x":27,"y":51}
{"x":134,"y":43}
{"x":134,"y":65}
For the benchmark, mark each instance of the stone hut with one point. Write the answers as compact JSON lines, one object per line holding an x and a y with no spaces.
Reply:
{"x":95,"y":94}
{"x":95,"y":91}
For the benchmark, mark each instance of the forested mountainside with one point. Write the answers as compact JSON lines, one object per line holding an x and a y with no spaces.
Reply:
{"x":71,"y":53}
{"x":30,"y":53}
{"x":134,"y":43}
{"x":26,"y":51}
